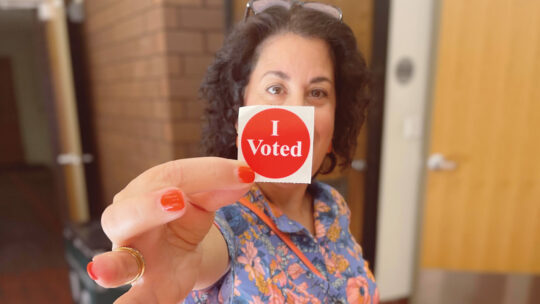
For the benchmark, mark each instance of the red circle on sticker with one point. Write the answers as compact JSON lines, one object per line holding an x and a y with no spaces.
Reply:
{"x":275,"y":143}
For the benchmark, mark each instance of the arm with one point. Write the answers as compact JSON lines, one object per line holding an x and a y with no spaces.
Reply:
{"x":215,"y":259}
{"x":167,"y":214}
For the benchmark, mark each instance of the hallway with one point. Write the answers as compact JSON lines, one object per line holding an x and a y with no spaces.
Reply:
{"x":32,"y":264}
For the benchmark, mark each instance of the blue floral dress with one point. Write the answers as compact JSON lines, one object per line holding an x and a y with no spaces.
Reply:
{"x":263,"y":269}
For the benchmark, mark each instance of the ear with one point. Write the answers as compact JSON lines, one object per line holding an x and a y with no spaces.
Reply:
{"x":330,"y":148}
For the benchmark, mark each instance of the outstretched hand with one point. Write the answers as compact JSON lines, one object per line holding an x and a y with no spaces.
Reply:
{"x":166,"y":213}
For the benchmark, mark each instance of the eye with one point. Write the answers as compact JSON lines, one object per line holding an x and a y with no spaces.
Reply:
{"x":318,"y":93}
{"x":275,"y":90}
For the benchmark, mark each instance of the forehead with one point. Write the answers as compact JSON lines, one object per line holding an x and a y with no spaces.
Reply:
{"x":295,"y":55}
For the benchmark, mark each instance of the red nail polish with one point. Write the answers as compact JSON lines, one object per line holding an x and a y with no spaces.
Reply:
{"x":172,"y":201}
{"x":245,"y":174}
{"x":91,"y":274}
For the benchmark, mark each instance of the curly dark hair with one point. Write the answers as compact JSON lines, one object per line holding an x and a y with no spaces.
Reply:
{"x":225,"y":80}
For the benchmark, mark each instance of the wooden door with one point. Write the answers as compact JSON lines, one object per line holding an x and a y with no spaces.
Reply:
{"x":11,"y":149}
{"x":485,"y":214}
{"x":358,"y":15}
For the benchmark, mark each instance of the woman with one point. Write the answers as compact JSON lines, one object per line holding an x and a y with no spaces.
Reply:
{"x":193,"y":239}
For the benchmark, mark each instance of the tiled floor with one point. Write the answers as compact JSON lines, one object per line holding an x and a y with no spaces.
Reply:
{"x":32,"y":264}
{"x":449,"y":287}
{"x":33,"y":268}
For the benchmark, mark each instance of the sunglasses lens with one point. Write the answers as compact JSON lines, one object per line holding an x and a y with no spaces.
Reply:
{"x":325,"y":8}
{"x":260,"y":5}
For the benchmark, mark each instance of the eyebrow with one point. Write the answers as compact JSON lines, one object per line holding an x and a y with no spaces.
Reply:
{"x":320,"y":79}
{"x":284,"y":76}
{"x":279,"y":74}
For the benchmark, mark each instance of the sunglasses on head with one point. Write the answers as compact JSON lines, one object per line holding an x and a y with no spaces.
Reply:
{"x":257,"y":6}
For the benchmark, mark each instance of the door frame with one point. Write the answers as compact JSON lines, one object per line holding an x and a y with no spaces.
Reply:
{"x":412,"y":36}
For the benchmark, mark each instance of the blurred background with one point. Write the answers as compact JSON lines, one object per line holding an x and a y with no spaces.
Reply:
{"x":444,"y":189}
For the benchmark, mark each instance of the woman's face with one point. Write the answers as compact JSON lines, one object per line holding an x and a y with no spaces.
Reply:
{"x":297,"y":71}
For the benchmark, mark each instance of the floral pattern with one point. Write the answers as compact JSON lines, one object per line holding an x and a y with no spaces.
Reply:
{"x":263,"y":269}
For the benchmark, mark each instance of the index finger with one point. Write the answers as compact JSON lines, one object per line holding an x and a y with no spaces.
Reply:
{"x":192,"y":175}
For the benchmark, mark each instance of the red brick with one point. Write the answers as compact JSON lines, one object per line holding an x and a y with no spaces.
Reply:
{"x":147,"y":21}
{"x":117,"y":12}
{"x":146,"y":45}
{"x":214,"y":41}
{"x":174,"y":65}
{"x":139,"y":47}
{"x":97,"y":40}
{"x":91,"y":7}
{"x":133,"y":89}
{"x":154,"y":88}
{"x":140,"y":68}
{"x":184,"y":87}
{"x":128,"y":8}
{"x":185,"y":150}
{"x":153,"y":129}
{"x":134,"y":128}
{"x":171,"y":17}
{"x":214,"y":3}
{"x":161,"y":109}
{"x":107,"y":74}
{"x":180,"y":151}
{"x":156,"y":66}
{"x":164,"y":153}
{"x":104,"y":18}
{"x":144,"y":109}
{"x":177,"y":110}
{"x":194,"y":149}
{"x":156,"y":18}
{"x":184,"y":42}
{"x":202,"y":18}
{"x":134,"y":48}
{"x":194,"y":109}
{"x":129,"y":28}
{"x":197,"y":65}
{"x":103,"y":56}
{"x":93,"y":21}
{"x":194,"y":3}
{"x":186,"y":131}
{"x":147,"y":58}
{"x":168,"y":133}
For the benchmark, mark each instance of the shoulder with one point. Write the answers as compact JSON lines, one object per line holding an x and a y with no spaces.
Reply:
{"x":236,"y":217}
{"x":237,"y":223}
{"x":230,"y":220}
{"x":327,"y":195}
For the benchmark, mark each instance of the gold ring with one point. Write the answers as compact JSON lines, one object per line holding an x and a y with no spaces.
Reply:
{"x":140,"y":262}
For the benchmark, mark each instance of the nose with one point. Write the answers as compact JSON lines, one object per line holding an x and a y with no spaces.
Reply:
{"x":296,"y":99}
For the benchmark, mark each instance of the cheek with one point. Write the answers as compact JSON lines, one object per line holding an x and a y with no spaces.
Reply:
{"x":324,"y":130}
{"x":324,"y":126}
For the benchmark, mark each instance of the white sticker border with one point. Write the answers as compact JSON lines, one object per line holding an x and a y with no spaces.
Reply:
{"x":307,"y":115}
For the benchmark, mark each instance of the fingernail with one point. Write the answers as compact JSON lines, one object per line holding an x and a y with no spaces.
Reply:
{"x":172,"y":201}
{"x":91,"y":274}
{"x":245,"y":174}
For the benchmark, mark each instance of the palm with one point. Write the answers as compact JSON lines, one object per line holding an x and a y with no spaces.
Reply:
{"x":171,"y":268}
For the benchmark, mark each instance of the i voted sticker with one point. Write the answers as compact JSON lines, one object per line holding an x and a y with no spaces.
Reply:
{"x":277,"y":142}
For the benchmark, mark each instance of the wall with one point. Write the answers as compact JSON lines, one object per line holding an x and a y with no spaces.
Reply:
{"x":402,"y":161}
{"x":18,"y":40}
{"x":146,"y":60}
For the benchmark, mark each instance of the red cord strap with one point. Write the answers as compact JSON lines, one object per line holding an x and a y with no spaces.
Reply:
{"x":285,"y":238}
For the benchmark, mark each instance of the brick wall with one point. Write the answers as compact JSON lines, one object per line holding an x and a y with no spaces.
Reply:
{"x":146,"y":61}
